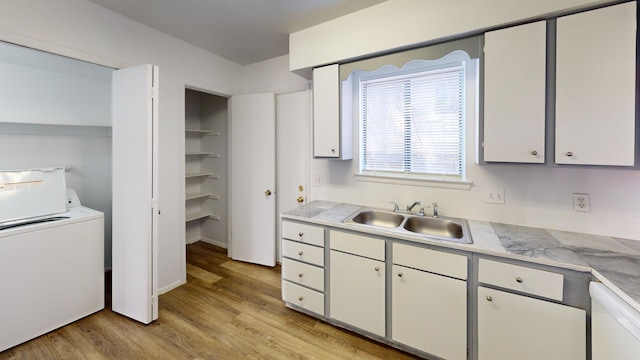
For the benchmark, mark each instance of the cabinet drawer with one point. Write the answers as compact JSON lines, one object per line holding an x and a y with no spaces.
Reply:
{"x":356,"y":244}
{"x":303,"y":274}
{"x":430,"y":260}
{"x":302,"y":232}
{"x":520,"y":278}
{"x":303,"y":297}
{"x":303,"y":252}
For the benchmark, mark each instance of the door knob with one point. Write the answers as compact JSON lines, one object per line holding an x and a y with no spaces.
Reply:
{"x":267,"y":193}
{"x":300,"y":199}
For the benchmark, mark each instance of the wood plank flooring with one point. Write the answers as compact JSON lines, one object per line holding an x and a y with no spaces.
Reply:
{"x":227,"y":310}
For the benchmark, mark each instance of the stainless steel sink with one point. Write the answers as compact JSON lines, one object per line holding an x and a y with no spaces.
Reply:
{"x":378,"y":218}
{"x":449,"y":229}
{"x":434,"y":227}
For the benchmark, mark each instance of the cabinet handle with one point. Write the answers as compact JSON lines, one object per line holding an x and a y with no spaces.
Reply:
{"x":300,"y":234}
{"x":300,"y":253}
{"x":489,"y":298}
{"x":518,"y":279}
{"x":569,"y":154}
{"x":267,"y":192}
{"x":299,"y":275}
{"x":534,"y":153}
{"x":333,"y":150}
{"x":399,"y":274}
{"x":300,"y":298}
{"x":377,"y":268}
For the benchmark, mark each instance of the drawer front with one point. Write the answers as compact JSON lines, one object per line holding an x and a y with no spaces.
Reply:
{"x":303,"y":297}
{"x":303,"y":252}
{"x":438,"y":262}
{"x":357,"y":244}
{"x":531,"y":281}
{"x":303,"y":274}
{"x":303,"y":232}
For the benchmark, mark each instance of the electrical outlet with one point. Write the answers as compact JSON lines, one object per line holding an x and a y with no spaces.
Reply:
{"x":581,"y":202}
{"x":494,"y":196}
{"x":318,"y":180}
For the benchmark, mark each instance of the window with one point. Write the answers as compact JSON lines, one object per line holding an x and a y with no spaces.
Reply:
{"x":412,"y":118}
{"x":412,"y":122}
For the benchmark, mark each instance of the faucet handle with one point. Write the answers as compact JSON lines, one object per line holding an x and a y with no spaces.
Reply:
{"x":395,"y":206}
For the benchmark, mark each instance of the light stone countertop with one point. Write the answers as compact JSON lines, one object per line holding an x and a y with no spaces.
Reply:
{"x":615,"y":262}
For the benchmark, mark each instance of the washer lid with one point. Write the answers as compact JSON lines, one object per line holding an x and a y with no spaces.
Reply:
{"x":32,"y":193}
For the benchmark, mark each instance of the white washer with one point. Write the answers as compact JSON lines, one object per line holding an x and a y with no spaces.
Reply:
{"x":51,"y":273}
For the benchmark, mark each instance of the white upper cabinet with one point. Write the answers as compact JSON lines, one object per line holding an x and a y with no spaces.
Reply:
{"x":595,"y":87}
{"x":328,"y":128}
{"x":514,"y":94}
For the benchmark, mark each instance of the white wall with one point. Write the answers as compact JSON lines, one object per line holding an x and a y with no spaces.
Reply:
{"x":538,"y":196}
{"x":83,"y":30}
{"x":271,"y":75}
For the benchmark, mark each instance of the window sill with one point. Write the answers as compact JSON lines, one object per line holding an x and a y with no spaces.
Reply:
{"x":426,"y":182}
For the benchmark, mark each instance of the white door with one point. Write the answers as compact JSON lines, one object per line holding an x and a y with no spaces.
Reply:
{"x":326,"y":112}
{"x":292,"y":117}
{"x":357,"y":288}
{"x":135,"y":188}
{"x":596,"y":87}
{"x":513,"y":326}
{"x":252,"y":203}
{"x":429,"y":312}
{"x":514,"y":93}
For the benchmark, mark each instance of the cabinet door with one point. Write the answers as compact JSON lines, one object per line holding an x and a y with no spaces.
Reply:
{"x":357,"y":294}
{"x":518,"y":327}
{"x":326,"y":111}
{"x":514,"y":94}
{"x":595,"y":87}
{"x":429,"y":312}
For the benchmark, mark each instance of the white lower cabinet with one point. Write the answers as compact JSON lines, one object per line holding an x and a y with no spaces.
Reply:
{"x":357,"y":295}
{"x":512,"y":326}
{"x":429,"y":312}
{"x":303,"y":266}
{"x":417,"y":297}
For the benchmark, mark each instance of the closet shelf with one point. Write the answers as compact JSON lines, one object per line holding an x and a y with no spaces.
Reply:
{"x":197,"y":215}
{"x":197,"y":131}
{"x":195,"y":175}
{"x":198,"y":196}
{"x":202,"y":132}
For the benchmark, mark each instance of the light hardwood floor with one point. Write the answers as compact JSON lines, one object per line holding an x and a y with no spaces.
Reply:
{"x":227,"y":310}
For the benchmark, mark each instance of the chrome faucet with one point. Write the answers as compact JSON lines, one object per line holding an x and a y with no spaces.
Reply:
{"x":410,"y":207}
{"x":435,"y":210}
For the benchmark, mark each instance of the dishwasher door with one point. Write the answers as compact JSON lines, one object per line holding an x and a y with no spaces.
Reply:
{"x":615,"y":326}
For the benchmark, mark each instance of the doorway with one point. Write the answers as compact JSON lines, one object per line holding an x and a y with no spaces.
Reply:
{"x":206,"y":168}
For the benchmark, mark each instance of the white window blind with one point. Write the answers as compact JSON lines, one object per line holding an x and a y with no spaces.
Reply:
{"x":413,"y":123}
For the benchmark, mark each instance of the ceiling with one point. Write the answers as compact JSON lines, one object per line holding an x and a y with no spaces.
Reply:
{"x":243,"y":31}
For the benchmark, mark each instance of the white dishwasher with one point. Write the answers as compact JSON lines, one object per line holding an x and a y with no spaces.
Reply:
{"x":615,"y":326}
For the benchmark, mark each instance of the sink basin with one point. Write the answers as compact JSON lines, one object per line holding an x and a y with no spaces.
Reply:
{"x":378,"y":218}
{"x":434,"y":227}
{"x":442,"y":228}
